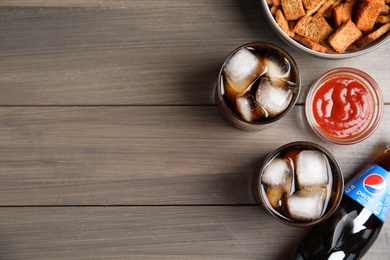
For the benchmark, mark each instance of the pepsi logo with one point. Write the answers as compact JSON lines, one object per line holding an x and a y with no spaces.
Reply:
{"x":374,"y":184}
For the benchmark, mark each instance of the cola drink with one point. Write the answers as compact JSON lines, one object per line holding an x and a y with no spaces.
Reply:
{"x":299,"y":184}
{"x":257,"y":85}
{"x":355,"y":225}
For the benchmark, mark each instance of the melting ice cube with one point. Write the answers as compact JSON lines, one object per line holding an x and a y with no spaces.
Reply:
{"x":272,"y":98}
{"x":277,"y":70}
{"x":277,"y":172}
{"x":248,"y":108}
{"x":279,"y":73}
{"x":245,"y":108}
{"x":277,"y":177}
{"x":311,"y":168}
{"x":305,"y":205}
{"x":241,"y":71}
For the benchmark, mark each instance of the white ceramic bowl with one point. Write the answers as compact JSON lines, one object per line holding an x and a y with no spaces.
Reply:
{"x":365,"y":49}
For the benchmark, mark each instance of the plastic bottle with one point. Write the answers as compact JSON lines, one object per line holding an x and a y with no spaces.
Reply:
{"x":354,"y":227}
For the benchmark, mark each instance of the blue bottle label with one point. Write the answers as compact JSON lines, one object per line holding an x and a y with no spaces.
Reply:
{"x":371,"y":189}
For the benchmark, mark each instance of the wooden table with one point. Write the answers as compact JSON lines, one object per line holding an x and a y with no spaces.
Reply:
{"x":111,"y":143}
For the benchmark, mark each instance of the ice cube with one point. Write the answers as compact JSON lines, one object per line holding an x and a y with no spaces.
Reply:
{"x":248,"y":108}
{"x":311,"y":168}
{"x":278,"y":177}
{"x":245,"y":108}
{"x":324,"y":190}
{"x":241,"y":70}
{"x":278,"y":172}
{"x":272,"y":98}
{"x":305,"y":206}
{"x":279,"y":73}
{"x":277,"y":70}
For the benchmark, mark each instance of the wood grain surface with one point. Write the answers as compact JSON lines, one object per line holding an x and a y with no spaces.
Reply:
{"x":112,"y":145}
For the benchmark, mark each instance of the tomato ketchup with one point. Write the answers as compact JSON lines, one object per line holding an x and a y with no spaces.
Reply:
{"x":345,"y":107}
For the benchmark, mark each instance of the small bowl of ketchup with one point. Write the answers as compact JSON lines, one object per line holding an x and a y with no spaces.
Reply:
{"x":344,"y":106}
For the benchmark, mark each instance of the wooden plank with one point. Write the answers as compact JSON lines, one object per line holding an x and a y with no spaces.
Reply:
{"x":145,"y":155}
{"x":144,"y":55}
{"x":215,"y":232}
{"x":122,"y":3}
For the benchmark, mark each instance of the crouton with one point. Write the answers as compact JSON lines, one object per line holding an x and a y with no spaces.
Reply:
{"x":309,"y":4}
{"x":344,"y":36}
{"x":292,"y":9}
{"x":302,"y":28}
{"x":276,"y":2}
{"x":273,"y":10}
{"x":374,"y":35}
{"x":344,"y":12}
{"x":353,"y":47}
{"x":329,"y":49}
{"x":312,"y":45}
{"x":383,"y":19}
{"x":385,"y":9}
{"x":368,"y":13}
{"x":327,"y":31}
{"x":326,"y":9}
{"x":315,"y":8}
{"x":282,"y":22}
{"x":314,"y":28}
{"x":291,"y":24}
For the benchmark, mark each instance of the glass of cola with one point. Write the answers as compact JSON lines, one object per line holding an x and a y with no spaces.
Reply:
{"x":300,"y":184}
{"x":257,"y":85}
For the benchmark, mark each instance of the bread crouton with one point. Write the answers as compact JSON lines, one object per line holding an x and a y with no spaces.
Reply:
{"x":353,"y":47}
{"x":368,"y":13}
{"x":326,"y":9}
{"x":273,"y":10}
{"x":283,"y":23}
{"x":344,"y":36}
{"x":315,"y":8}
{"x":327,"y":31}
{"x":383,"y":19}
{"x":314,"y":28}
{"x":312,"y":45}
{"x":385,"y":9}
{"x":276,"y":2}
{"x":344,"y":12}
{"x":374,"y":35}
{"x":292,"y":9}
{"x":309,"y":4}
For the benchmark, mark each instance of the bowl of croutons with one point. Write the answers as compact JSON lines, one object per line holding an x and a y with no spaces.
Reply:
{"x":333,"y":29}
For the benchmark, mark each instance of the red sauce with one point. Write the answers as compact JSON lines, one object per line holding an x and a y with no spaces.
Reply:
{"x":343,"y":107}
